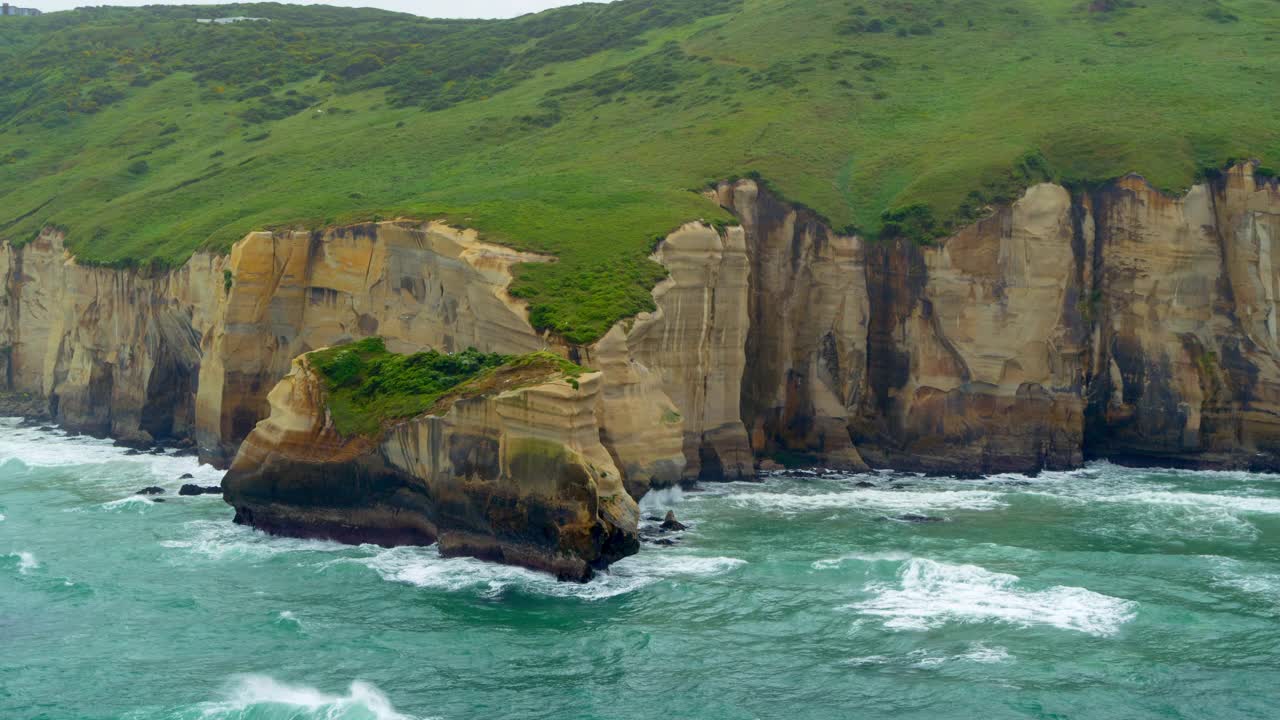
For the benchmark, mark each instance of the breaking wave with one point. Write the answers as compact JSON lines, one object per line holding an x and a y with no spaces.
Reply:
{"x":26,"y":562}
{"x":930,"y":594}
{"x":260,"y":697}
{"x":898,"y":501}
{"x":426,"y":568}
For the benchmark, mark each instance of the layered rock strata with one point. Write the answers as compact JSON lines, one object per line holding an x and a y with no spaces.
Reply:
{"x":1117,"y":322}
{"x":510,"y":468}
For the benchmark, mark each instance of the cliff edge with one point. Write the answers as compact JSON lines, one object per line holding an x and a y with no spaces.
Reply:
{"x":505,"y":466}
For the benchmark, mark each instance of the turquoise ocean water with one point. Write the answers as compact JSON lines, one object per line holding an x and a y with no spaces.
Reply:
{"x":1101,"y":593}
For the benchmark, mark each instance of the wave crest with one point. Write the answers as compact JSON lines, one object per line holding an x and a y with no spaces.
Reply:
{"x":930,"y":594}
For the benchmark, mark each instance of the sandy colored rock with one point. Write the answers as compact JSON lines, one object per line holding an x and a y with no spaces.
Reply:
{"x":808,"y":312}
{"x":696,"y":342}
{"x":641,"y":426}
{"x":1186,"y":364}
{"x":512,"y":475}
{"x":978,"y":345}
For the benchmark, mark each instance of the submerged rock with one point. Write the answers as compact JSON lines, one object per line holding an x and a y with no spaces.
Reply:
{"x":508,"y":468}
{"x":153,"y":490}
{"x":864,"y":484}
{"x":190,"y":489}
{"x":187,"y":476}
{"x":671,"y":524}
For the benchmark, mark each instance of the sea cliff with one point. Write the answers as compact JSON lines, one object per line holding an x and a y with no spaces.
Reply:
{"x":1114,"y":322}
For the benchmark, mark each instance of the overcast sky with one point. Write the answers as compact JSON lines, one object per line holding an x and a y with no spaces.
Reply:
{"x":430,"y":8}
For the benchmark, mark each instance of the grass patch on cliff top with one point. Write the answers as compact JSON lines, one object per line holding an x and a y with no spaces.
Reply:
{"x":586,"y":132}
{"x":369,"y":386}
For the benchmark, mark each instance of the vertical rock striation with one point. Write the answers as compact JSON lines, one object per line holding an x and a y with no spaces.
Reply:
{"x":1118,"y":323}
{"x":1185,"y":352}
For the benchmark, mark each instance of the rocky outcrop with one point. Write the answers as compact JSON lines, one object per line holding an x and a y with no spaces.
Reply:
{"x":417,"y":286}
{"x":509,"y":469}
{"x":809,"y":311}
{"x":193,"y":352}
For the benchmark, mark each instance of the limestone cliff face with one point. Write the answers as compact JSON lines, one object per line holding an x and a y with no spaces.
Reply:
{"x":695,"y":342}
{"x":1185,"y":354}
{"x":194,"y":352}
{"x":809,"y":313}
{"x":109,"y":352}
{"x":417,"y":286}
{"x":1116,"y":323}
{"x":515,"y":473}
{"x":978,"y":346}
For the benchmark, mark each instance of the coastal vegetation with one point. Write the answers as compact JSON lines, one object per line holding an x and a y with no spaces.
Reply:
{"x":589,"y":132}
{"x":369,"y":386}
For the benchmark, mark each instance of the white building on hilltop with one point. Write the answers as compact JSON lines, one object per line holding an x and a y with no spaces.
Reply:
{"x":229,"y":20}
{"x":7,"y":9}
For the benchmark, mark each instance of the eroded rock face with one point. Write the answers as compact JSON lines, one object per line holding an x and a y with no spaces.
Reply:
{"x":1185,"y":355}
{"x":639,"y":423}
{"x":109,"y":352}
{"x":978,"y":346}
{"x":809,"y":313}
{"x":517,"y":476}
{"x":696,"y":344}
{"x":1117,"y":323}
{"x":193,"y":352}
{"x":417,"y":286}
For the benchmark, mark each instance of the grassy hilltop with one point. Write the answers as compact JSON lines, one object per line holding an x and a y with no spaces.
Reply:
{"x":585,"y":132}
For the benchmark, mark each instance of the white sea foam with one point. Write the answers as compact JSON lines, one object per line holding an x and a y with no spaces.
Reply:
{"x":288,"y":619}
{"x":930,"y":594}
{"x":980,"y":653}
{"x":129,"y":502}
{"x":55,"y":449}
{"x":663,"y":499}
{"x":26,"y":561}
{"x":425,"y":568}
{"x":254,"y":694}
{"x":219,"y":539}
{"x":833,"y":563}
{"x":925,"y":658}
{"x":2,"y":517}
{"x":1230,"y":574}
{"x":899,"y":501}
{"x":1229,"y":503}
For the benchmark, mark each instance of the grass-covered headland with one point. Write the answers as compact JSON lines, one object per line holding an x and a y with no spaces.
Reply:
{"x":587,"y":131}
{"x":369,"y":386}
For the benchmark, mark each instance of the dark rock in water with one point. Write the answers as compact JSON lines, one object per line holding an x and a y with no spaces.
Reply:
{"x":912,"y":518}
{"x":654,"y":518}
{"x":187,"y":476}
{"x":864,"y":484}
{"x":131,"y":452}
{"x":899,"y":486}
{"x":157,"y":451}
{"x":153,"y":490}
{"x":671,"y":523}
{"x":46,"y":428}
{"x":190,"y":489}
{"x":157,"y":500}
{"x":665,"y":542}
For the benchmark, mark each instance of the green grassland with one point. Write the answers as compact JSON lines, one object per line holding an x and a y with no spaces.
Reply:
{"x":588,"y":132}
{"x":369,"y":386}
